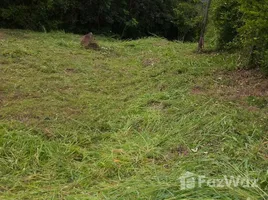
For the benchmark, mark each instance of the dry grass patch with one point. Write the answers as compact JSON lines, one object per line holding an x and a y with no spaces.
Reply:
{"x":249,"y":87}
{"x":150,"y":62}
{"x":242,"y":83}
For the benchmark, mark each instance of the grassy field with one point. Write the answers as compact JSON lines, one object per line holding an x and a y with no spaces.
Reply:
{"x":128,"y":121}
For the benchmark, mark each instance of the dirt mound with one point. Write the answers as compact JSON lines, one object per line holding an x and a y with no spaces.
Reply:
{"x":2,"y":36}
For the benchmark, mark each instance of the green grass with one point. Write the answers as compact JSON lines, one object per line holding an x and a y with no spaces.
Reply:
{"x":123,"y":122}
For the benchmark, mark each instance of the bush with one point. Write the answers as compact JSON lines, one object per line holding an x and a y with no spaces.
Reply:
{"x":188,"y":17}
{"x":227,"y":20}
{"x":254,"y":32}
{"x":243,"y":24}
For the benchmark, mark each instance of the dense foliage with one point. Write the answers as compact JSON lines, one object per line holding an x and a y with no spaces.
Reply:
{"x":128,"y":18}
{"x":243,"y":24}
{"x":227,"y":20}
{"x":240,"y":24}
{"x":254,"y":32}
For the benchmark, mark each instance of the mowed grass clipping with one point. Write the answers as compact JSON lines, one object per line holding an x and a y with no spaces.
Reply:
{"x":124,"y":122}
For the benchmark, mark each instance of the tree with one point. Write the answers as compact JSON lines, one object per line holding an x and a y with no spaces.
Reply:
{"x":203,"y":29}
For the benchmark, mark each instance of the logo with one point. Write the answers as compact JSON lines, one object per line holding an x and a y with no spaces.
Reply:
{"x":190,"y":181}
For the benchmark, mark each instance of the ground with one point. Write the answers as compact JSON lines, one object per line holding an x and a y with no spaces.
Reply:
{"x":128,"y":121}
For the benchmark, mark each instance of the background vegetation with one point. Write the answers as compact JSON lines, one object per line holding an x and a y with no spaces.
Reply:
{"x":127,"y":18}
{"x":243,"y":25}
{"x":240,"y":24}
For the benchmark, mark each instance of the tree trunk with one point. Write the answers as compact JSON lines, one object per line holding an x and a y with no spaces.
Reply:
{"x":203,"y":30}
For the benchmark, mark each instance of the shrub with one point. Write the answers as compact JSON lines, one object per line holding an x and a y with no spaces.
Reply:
{"x":254,"y":32}
{"x":243,"y":24}
{"x":227,"y":20}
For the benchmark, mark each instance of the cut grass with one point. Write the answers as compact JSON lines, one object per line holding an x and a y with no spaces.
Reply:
{"x":122,"y":123}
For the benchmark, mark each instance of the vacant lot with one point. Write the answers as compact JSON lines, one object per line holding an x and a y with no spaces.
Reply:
{"x":126,"y":122}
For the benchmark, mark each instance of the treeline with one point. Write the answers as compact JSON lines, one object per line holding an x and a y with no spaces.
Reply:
{"x":173,"y":19}
{"x":240,"y":24}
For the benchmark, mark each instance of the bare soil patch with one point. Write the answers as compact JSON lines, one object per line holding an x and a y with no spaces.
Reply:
{"x":236,"y":84}
{"x":198,"y":90}
{"x":70,"y":71}
{"x":250,"y":87}
{"x":243,"y":83}
{"x":150,"y":62}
